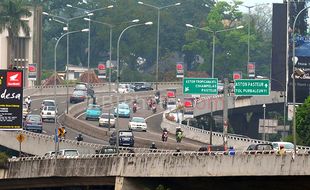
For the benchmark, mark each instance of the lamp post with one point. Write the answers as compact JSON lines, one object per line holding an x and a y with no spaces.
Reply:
{"x":66,"y":22}
{"x":295,"y":60}
{"x":111,"y":32}
{"x":213,"y":57}
{"x":264,"y":132}
{"x":55,"y":69}
{"x":117,"y":78}
{"x":249,"y":24}
{"x":158,"y":24}
{"x":89,"y":14}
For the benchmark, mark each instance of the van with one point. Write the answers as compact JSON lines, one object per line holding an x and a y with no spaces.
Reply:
{"x":68,"y":153}
{"x":288,"y":146}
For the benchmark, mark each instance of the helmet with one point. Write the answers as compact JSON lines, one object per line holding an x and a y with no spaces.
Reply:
{"x":179,"y":100}
{"x":153,"y":143}
{"x":28,"y":96}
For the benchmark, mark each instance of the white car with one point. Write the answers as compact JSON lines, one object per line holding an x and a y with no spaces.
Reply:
{"x":104,"y":120}
{"x":125,"y":88}
{"x":137,"y":123}
{"x":48,"y":103}
{"x":49,"y":113}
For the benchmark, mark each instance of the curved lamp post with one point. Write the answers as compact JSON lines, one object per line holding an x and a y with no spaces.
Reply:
{"x":89,"y":14}
{"x":158,"y":24}
{"x":55,"y":70}
{"x":213,"y":56}
{"x":295,"y":60}
{"x":111,"y":32}
{"x":117,"y":78}
{"x":249,"y":24}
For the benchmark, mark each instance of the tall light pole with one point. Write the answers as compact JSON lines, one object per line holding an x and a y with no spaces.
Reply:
{"x":55,"y":68}
{"x":295,"y":60}
{"x":66,"y":22}
{"x":213,"y":57}
{"x":264,"y":132}
{"x":158,"y":24}
{"x":111,"y":32}
{"x":89,"y":14}
{"x":249,"y":24}
{"x":117,"y":78}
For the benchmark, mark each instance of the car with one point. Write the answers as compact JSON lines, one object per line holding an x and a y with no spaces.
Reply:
{"x":68,"y":153}
{"x":48,"y":103}
{"x":107,"y":150}
{"x":93,"y":112}
{"x":125,"y":137}
{"x":104,"y":120}
{"x":122,"y":110}
{"x":259,"y":148}
{"x":211,"y":148}
{"x":49,"y":113}
{"x":78,"y":96}
{"x":125,"y":88}
{"x":288,"y":146}
{"x":26,"y":110}
{"x":142,"y":86}
{"x":33,"y":122}
{"x":82,"y":86}
{"x":137,"y":123}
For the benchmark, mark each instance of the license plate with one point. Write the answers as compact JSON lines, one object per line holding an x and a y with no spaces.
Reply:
{"x":48,"y":113}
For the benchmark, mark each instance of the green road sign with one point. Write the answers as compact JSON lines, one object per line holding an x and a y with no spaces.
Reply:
{"x":252,"y":87}
{"x":200,"y":86}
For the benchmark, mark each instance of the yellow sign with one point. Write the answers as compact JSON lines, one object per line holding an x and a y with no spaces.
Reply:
{"x":61,"y":132}
{"x":20,"y":138}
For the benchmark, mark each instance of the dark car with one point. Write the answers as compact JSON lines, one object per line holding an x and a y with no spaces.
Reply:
{"x":78,"y":96}
{"x":33,"y":122}
{"x":82,"y":86}
{"x":211,"y":148}
{"x":125,"y":137}
{"x":142,"y":86}
{"x":107,"y":150}
{"x":260,"y":148}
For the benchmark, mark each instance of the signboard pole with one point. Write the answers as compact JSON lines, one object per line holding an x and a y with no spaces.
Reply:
{"x":225,"y":113}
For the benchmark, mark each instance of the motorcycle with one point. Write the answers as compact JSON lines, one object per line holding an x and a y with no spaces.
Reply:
{"x":165,"y":105}
{"x":164,"y":136}
{"x":154,"y":108}
{"x":134,"y":109}
{"x":157,"y":99}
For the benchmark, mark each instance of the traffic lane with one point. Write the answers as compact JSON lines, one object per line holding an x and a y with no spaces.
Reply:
{"x":154,"y":132}
{"x":49,"y":126}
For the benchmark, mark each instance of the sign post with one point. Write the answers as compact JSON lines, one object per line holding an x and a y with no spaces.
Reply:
{"x":200,"y":86}
{"x":20,"y":138}
{"x":252,"y":87}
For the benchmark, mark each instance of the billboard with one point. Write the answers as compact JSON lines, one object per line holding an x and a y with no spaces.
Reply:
{"x":180,"y":70}
{"x":189,"y":107}
{"x":32,"y":71}
{"x":171,"y":98}
{"x":237,"y":75}
{"x":11,"y":99}
{"x":251,"y":69}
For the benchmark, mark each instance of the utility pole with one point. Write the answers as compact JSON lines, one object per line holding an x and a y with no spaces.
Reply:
{"x":225,"y":112}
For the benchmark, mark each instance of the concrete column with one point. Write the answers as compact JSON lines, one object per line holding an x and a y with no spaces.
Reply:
{"x":119,"y":182}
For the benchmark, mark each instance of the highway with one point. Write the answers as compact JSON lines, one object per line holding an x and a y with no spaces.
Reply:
{"x":152,"y":135}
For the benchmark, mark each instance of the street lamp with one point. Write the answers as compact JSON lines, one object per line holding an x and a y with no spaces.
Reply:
{"x":89,"y":14}
{"x":213,"y":56}
{"x":249,"y":24}
{"x":264,"y":132}
{"x":55,"y":69}
{"x":66,"y":22}
{"x":117,"y":78}
{"x":295,"y":60}
{"x":111,"y":31}
{"x":158,"y":24}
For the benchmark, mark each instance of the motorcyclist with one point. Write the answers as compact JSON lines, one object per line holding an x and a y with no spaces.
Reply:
{"x":153,"y":146}
{"x":164,"y":136}
{"x":28,"y":101}
{"x":165,"y":103}
{"x":134,"y":108}
{"x":79,"y":137}
{"x":154,"y":108}
{"x":179,"y":136}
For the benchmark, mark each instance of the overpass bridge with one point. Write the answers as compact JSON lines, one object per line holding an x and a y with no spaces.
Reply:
{"x":136,"y":171}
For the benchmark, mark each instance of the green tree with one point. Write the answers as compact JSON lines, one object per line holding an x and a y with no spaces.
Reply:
{"x":11,"y":12}
{"x":303,"y":122}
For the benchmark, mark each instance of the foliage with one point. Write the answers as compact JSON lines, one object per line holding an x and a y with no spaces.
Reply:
{"x":303,"y":122}
{"x":3,"y":159}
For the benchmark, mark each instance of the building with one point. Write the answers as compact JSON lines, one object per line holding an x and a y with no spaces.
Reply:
{"x":74,"y":71}
{"x":28,"y":49}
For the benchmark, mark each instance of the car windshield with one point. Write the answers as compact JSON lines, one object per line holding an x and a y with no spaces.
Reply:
{"x":123,"y":106}
{"x":78,"y":93}
{"x":106,"y":116}
{"x":138,"y":119}
{"x":34,"y":118}
{"x":48,"y":103}
{"x":94,"y":107}
{"x":81,"y":87}
{"x":71,"y":153}
{"x":125,"y":133}
{"x":288,"y":146}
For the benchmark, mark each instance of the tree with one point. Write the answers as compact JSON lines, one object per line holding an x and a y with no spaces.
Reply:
{"x":303,"y":122}
{"x":11,"y":14}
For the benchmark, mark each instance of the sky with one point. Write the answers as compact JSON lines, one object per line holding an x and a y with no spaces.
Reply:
{"x":256,"y":2}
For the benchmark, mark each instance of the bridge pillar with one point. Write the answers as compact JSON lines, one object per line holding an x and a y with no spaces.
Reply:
{"x":119,"y":182}
{"x":122,"y":183}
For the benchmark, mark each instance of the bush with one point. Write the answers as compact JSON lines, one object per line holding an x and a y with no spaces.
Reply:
{"x":3,"y":160}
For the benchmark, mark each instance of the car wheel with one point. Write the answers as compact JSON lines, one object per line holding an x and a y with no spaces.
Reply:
{"x":86,"y":118}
